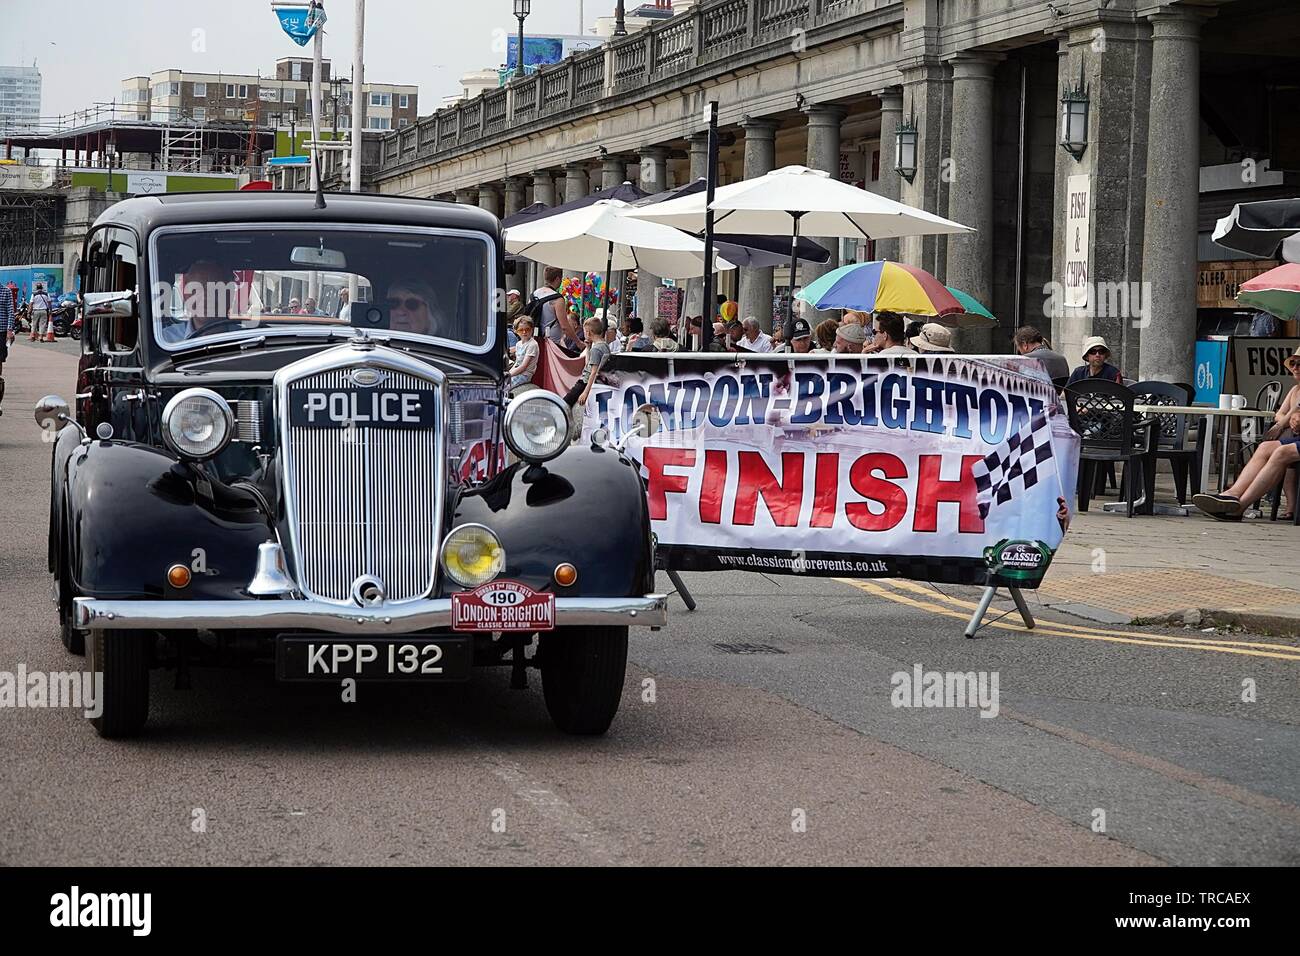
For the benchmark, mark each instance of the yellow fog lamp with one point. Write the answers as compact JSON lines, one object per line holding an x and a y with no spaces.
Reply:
{"x":472,"y":555}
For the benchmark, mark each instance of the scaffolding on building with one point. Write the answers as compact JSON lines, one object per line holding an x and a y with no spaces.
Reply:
{"x":31,"y":225}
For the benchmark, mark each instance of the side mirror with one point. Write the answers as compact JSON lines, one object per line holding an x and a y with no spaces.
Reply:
{"x":100,"y":304}
{"x":647,"y":418}
{"x":52,"y":413}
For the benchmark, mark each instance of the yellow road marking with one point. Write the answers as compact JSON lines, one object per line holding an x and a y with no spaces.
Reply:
{"x":918,"y":588}
{"x":1048,"y":629}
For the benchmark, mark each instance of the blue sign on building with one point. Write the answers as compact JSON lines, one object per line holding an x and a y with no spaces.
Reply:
{"x":1211,"y":361}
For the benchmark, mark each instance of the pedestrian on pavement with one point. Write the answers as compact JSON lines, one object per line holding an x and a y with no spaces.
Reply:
{"x":7,"y":332}
{"x":1095,"y":355}
{"x":1030,"y":342}
{"x":42,"y":328}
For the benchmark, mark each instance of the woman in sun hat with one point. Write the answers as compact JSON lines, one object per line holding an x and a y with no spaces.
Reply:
{"x":1096,"y":355}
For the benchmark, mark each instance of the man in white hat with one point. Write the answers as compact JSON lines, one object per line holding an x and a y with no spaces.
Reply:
{"x":933,"y":337}
{"x":1095,"y":355}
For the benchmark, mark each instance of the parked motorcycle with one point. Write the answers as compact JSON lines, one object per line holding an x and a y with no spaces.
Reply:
{"x":62,"y":318}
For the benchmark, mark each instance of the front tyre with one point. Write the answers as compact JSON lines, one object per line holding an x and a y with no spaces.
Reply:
{"x":123,"y":658}
{"x":582,"y":676}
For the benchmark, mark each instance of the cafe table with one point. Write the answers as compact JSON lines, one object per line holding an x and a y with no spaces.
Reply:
{"x":1209,"y":413}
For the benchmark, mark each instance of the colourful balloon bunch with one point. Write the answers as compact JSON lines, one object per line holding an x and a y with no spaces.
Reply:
{"x":586,"y":295}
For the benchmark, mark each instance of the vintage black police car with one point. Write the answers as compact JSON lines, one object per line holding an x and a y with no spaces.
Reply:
{"x":288,"y":441}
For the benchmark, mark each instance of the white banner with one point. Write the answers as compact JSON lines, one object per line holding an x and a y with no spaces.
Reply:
{"x":852,"y":466}
{"x":1078,"y":212}
{"x":145,"y":183}
{"x":16,"y":176}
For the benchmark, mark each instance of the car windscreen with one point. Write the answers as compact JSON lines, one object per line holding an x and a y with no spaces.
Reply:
{"x":221,"y":282}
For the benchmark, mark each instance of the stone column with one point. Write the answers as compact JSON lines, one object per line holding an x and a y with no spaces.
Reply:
{"x":698,"y":150}
{"x":576,"y":182}
{"x":514,"y":195}
{"x":466,"y":196}
{"x":1167,"y":346}
{"x":823,"y":154}
{"x":698,"y":146}
{"x":544,"y":187}
{"x":889,"y":185}
{"x":489,"y":199}
{"x":756,"y":285}
{"x":1118,"y":81}
{"x":923,"y":106}
{"x":613,"y":172}
{"x":654,"y":179}
{"x":970,"y":197}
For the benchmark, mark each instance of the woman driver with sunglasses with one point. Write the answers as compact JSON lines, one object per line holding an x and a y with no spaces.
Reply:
{"x":413,"y":307}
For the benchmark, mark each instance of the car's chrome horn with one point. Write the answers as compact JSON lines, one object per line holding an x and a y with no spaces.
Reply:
{"x":272,"y":577}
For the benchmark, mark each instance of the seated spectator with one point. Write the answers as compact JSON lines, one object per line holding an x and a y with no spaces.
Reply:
{"x":663,"y":337}
{"x":933,"y":337}
{"x":890,"y":338}
{"x":735,"y":335}
{"x":1095,"y":355}
{"x":778,"y":338}
{"x":850,"y":338}
{"x":1030,"y":342}
{"x":754,"y":339}
{"x":526,"y":352}
{"x":1271,"y":461}
{"x":800,"y":337}
{"x":825,"y":335}
{"x":635,"y":339}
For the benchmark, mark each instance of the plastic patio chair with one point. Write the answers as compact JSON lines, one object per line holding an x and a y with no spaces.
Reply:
{"x":1111,"y":432}
{"x":1171,"y":439}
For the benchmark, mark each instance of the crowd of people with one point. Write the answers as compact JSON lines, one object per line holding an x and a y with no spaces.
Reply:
{"x":546,"y":314}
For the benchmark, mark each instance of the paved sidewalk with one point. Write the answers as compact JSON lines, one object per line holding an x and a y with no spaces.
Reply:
{"x":1116,"y":569}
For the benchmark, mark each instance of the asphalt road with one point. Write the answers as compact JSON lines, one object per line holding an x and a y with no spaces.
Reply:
{"x":767,"y":708}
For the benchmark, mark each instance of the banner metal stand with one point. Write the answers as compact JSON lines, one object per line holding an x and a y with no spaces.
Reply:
{"x":680,"y":585}
{"x":977,"y":619}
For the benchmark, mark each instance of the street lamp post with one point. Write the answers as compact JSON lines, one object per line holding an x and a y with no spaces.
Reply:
{"x":522,"y":9}
{"x":620,"y":27}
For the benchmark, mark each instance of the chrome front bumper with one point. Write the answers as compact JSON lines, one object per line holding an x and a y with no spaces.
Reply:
{"x":651,"y":610}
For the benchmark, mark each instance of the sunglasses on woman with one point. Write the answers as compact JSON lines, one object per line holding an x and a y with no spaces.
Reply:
{"x":410,"y":304}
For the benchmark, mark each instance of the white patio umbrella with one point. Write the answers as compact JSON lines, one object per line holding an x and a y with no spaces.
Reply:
{"x":797,"y":199}
{"x":603,"y":234}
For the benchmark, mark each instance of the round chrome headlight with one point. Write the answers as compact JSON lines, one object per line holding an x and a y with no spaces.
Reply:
{"x":198,"y":423}
{"x":537,"y":426}
{"x":472,"y":555}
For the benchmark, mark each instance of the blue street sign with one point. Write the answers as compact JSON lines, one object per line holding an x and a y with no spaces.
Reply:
{"x":289,"y":161}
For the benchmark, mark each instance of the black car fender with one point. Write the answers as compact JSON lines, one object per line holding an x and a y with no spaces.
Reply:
{"x":133,"y":511}
{"x":65,"y":445}
{"x":586,"y":508}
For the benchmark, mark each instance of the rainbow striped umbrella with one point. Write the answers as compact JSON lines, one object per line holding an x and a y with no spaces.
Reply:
{"x":880,"y":287}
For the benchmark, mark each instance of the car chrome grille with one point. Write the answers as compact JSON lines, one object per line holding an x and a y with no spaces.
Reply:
{"x":364,"y":502}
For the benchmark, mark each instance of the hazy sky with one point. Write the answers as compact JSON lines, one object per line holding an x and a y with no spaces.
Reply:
{"x":85,"y":48}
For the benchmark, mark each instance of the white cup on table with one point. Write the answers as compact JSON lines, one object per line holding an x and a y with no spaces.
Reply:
{"x":1225,"y":402}
{"x":1239,"y":401}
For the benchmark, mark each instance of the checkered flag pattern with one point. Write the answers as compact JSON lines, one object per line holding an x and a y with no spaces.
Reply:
{"x":1020,"y":462}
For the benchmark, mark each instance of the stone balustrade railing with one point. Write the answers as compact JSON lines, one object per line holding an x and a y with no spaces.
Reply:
{"x":705,"y":37}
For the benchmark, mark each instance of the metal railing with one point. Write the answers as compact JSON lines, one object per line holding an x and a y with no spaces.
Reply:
{"x":707,"y":33}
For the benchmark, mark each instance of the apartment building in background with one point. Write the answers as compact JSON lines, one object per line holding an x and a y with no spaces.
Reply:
{"x":20,"y":98}
{"x":281,"y":100}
